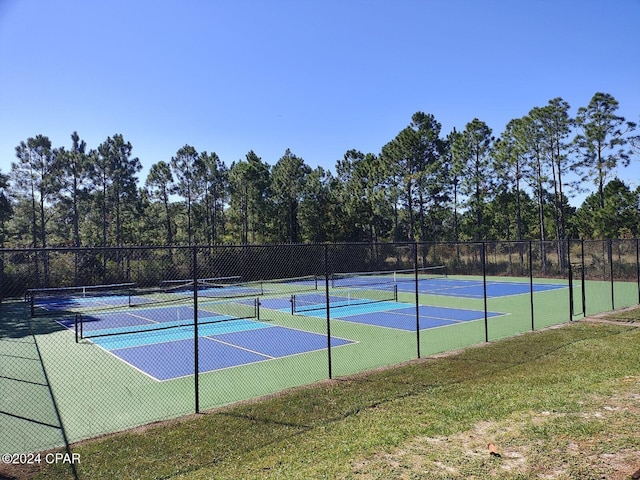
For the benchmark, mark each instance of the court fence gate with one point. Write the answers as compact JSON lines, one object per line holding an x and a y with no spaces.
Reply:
{"x":99,"y":340}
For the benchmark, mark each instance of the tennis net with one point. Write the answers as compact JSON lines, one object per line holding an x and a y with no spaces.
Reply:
{"x":291,"y":285}
{"x":343,"y":297}
{"x":141,"y":321}
{"x":355,"y":279}
{"x":214,"y":280}
{"x":176,"y":291}
{"x":432,"y":272}
{"x":45,"y":301}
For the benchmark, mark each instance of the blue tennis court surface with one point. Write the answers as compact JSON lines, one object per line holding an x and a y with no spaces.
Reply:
{"x":452,"y":287}
{"x":160,"y":341}
{"x":66,"y":303}
{"x":402,"y":316}
{"x":446,"y":286}
{"x":170,"y":354}
{"x":72,"y":302}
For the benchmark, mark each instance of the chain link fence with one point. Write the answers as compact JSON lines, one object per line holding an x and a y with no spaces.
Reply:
{"x":94,"y":341}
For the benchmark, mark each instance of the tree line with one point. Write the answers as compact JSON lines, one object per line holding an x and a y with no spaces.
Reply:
{"x":423,"y":185}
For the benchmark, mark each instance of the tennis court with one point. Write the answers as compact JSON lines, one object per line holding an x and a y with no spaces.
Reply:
{"x":128,"y":295}
{"x":140,"y":327}
{"x":140,"y":337}
{"x":371,"y":299}
{"x":402,"y":316}
{"x":476,"y":289}
{"x":434,"y":281}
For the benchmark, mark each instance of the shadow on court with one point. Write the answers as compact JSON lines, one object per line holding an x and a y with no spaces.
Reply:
{"x":16,"y":324}
{"x":29,"y":417}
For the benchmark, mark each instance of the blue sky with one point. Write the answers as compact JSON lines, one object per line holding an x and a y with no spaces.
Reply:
{"x":317,"y":76}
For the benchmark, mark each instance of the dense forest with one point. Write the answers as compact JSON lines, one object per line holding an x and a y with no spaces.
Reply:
{"x":423,"y":185}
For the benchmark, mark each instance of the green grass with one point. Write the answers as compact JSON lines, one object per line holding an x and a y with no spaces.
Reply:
{"x":560,"y":403}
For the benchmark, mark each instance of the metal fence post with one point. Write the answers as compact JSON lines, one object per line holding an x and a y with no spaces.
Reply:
{"x":196,"y":356}
{"x":570,"y":278}
{"x":610,"y":253}
{"x":415,"y":278}
{"x":483,"y":257}
{"x":638,"y":267}
{"x":326,"y":290}
{"x":2,"y":289}
{"x":583,"y":279}
{"x":533,"y":325}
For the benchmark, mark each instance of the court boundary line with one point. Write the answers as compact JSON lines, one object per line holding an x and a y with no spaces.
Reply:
{"x":405,"y":305}
{"x":480,"y":297}
{"x":269,"y":357}
{"x":147,"y":374}
{"x":264,"y":360}
{"x":413,"y":331}
{"x":88,"y":341}
{"x":499,"y":314}
{"x":109,"y":352}
{"x":177,"y":327}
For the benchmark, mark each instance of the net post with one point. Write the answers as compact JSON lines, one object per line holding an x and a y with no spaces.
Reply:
{"x":81,"y":322}
{"x":75,"y":323}
{"x":257,"y":308}
{"x":293,"y":304}
{"x":32,"y":305}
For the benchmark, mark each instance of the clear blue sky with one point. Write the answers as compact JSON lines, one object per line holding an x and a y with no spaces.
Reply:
{"x":316,"y":76}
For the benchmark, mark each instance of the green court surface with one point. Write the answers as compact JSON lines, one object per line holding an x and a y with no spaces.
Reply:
{"x":52,"y":386}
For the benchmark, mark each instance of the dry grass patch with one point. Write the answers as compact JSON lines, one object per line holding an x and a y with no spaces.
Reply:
{"x":629,"y":315}
{"x":598,"y":442}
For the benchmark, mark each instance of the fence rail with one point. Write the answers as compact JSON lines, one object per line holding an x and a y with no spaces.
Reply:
{"x":113,"y":338}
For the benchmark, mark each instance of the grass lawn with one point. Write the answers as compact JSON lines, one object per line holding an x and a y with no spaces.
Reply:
{"x":562,"y":403}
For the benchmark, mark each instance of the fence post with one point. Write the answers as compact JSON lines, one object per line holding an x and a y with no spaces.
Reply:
{"x":533,"y":325}
{"x":415,"y":278}
{"x":483,"y":257}
{"x":196,"y":356}
{"x":570,"y":278}
{"x":638,"y":267}
{"x":2,"y":288}
{"x":610,"y":253}
{"x":326,"y":293}
{"x":583,"y":277}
